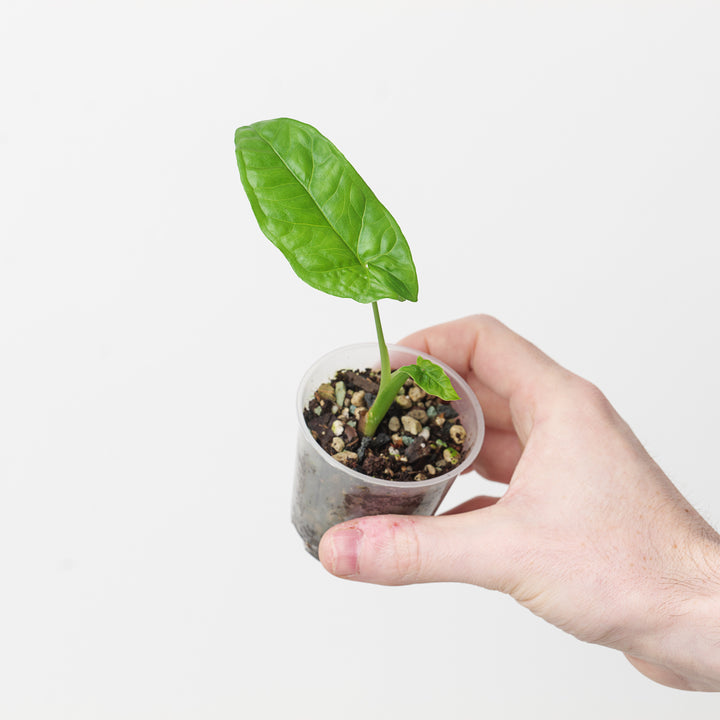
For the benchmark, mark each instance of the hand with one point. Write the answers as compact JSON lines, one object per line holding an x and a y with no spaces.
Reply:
{"x":590,"y":534}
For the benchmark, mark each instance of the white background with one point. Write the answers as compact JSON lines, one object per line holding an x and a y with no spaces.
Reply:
{"x":554,"y":164}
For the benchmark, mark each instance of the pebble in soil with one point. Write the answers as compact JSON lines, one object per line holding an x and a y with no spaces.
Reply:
{"x":420,"y":437}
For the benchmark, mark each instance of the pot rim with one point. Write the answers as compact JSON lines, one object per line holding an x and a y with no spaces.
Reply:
{"x":463,"y":389}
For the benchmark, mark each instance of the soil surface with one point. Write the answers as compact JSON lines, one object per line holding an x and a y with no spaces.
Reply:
{"x":419,"y":438}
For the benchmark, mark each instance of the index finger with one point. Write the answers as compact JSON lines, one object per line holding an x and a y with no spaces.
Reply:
{"x":505,"y":362}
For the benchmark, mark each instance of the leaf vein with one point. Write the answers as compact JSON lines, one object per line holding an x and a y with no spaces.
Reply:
{"x":322,"y":212}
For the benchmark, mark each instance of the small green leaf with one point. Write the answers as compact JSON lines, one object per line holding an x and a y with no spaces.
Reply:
{"x":432,"y":379}
{"x":312,"y":204}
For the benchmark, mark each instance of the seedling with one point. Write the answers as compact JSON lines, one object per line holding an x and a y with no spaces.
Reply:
{"x":338,"y":237}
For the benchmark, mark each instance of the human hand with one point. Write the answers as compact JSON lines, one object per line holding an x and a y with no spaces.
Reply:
{"x":590,"y":535}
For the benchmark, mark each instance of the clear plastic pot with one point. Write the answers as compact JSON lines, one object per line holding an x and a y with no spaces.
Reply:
{"x":326,"y":492}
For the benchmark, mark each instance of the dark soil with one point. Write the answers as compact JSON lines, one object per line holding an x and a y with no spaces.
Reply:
{"x":419,"y":438}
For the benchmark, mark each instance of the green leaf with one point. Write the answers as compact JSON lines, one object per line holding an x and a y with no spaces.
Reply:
{"x":313,"y":205}
{"x":432,"y":379}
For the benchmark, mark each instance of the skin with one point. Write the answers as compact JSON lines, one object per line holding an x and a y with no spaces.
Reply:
{"x":590,"y":535}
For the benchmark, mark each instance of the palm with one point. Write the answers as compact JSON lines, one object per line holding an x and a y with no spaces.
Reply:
{"x":586,"y":513}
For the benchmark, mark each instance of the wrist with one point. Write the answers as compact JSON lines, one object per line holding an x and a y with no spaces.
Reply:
{"x":683,"y":650}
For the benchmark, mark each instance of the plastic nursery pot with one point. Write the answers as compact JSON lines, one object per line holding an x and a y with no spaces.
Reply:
{"x":326,"y":492}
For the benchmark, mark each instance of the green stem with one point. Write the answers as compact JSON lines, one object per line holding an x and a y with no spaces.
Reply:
{"x":384,"y":354}
{"x":383,"y":401}
{"x":390,"y":382}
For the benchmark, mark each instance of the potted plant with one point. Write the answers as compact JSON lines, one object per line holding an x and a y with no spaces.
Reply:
{"x":382,"y":430}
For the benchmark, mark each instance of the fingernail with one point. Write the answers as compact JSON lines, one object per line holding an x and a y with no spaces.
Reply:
{"x":345,"y":548}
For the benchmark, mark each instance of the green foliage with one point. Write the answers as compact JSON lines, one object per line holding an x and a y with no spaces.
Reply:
{"x":338,"y":237}
{"x":429,"y":376}
{"x":432,"y":379}
{"x":312,"y":204}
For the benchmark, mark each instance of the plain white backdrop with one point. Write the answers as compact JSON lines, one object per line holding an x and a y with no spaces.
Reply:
{"x":554,"y":164}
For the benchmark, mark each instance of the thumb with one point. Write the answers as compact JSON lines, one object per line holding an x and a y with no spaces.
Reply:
{"x":468,"y":547}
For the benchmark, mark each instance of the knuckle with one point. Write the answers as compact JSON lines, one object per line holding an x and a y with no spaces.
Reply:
{"x":587,"y":400}
{"x":405,"y":549}
{"x":592,"y":396}
{"x":483,"y":321}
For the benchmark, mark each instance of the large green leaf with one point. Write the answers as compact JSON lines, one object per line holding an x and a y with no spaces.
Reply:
{"x":312,"y":204}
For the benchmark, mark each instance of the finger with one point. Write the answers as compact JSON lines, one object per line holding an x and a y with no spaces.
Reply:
{"x":499,"y":455}
{"x":476,"y":503}
{"x":506,"y":363}
{"x":496,"y":409}
{"x":402,"y":549}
